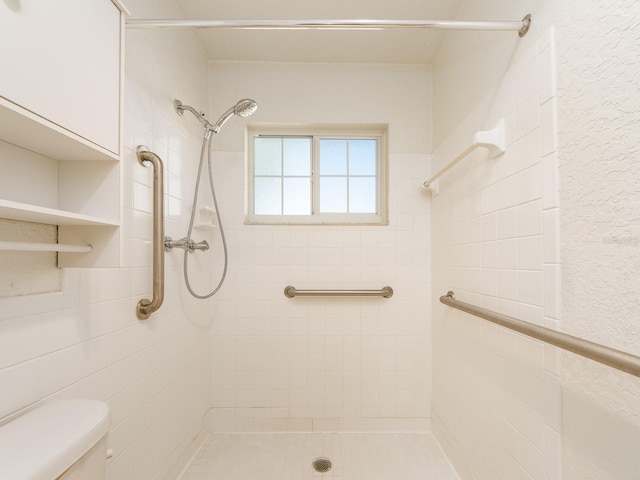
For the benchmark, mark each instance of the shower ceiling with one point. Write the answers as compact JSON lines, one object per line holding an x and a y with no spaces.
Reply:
{"x":374,"y":46}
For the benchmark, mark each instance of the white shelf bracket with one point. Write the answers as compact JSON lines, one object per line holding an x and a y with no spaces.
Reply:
{"x":493,"y":140}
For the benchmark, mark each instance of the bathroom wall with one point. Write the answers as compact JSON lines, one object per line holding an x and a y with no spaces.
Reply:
{"x":26,"y":273}
{"x":85,"y":340}
{"x":325,"y":364}
{"x":496,"y":406}
{"x":599,"y":143}
{"x":500,"y":402}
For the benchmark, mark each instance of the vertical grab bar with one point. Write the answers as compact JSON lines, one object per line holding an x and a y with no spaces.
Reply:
{"x":146,"y":307}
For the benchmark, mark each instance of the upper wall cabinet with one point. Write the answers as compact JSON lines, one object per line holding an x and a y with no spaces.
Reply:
{"x":60,"y":117}
{"x":61,"y":62}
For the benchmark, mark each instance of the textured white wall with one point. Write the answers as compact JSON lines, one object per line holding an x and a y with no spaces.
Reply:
{"x":28,"y":273}
{"x":329,"y":363}
{"x":599,"y":141}
{"x":86,"y":341}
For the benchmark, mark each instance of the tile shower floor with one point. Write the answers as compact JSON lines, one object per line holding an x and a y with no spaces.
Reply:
{"x":288,"y":456}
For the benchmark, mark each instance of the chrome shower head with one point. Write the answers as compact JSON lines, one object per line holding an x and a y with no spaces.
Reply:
{"x":243,"y":108}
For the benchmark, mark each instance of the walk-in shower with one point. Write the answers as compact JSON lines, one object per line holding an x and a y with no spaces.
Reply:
{"x":243,"y":108}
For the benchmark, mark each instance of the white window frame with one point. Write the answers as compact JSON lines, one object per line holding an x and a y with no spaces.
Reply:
{"x":318,"y":132}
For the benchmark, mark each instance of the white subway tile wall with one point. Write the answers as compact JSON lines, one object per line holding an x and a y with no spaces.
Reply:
{"x":317,"y":364}
{"x":497,"y":393}
{"x":86,"y":341}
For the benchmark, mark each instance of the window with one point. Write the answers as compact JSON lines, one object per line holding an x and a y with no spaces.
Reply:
{"x":317,"y":175}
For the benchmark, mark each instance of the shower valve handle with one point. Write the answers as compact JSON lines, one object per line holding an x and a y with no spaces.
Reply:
{"x":203,"y":245}
{"x":191,"y":246}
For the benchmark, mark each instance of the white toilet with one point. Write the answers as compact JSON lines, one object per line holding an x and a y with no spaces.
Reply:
{"x":61,"y":440}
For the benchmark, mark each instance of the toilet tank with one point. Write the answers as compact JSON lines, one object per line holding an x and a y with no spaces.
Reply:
{"x":63,"y":439}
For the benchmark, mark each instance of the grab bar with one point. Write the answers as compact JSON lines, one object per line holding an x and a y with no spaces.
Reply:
{"x":617,"y":359}
{"x":291,"y":292}
{"x":146,"y":307}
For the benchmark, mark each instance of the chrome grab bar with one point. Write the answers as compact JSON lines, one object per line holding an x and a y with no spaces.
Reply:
{"x":291,"y":292}
{"x":617,"y":359}
{"x":146,"y":307}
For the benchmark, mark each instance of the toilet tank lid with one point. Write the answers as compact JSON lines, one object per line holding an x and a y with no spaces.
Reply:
{"x":46,"y":441}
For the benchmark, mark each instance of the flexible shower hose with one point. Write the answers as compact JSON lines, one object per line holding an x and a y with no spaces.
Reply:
{"x":206,"y":147}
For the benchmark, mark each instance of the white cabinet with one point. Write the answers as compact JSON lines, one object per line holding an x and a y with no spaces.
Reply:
{"x":60,"y":111}
{"x":61,"y":60}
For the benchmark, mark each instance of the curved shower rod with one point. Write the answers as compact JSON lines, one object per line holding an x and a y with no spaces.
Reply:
{"x":522,"y":26}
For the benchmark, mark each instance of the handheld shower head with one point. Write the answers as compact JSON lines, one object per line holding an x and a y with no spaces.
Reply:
{"x":243,"y":108}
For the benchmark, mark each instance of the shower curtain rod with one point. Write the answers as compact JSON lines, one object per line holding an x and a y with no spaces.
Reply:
{"x":522,"y":26}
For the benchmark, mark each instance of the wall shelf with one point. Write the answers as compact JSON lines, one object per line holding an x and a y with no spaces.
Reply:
{"x":60,"y":123}
{"x":206,"y":219}
{"x":33,"y":213}
{"x":32,"y":132}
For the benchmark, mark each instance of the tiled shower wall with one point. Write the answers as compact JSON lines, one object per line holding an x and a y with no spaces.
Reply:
{"x":325,"y":364}
{"x":495,"y":234}
{"x":85,"y":341}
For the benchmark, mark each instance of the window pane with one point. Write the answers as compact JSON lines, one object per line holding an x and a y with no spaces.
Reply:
{"x":268,"y":156}
{"x":297,"y":156}
{"x":267,"y":196}
{"x":297,"y":196}
{"x":333,"y":195}
{"x":362,"y":195}
{"x":362,"y":157}
{"x":345,"y":182}
{"x":333,"y":157}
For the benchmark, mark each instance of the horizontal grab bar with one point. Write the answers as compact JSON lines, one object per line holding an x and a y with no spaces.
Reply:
{"x":617,"y":359}
{"x":291,"y":292}
{"x":44,"y":247}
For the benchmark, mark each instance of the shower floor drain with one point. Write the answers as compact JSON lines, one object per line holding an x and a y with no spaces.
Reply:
{"x":322,"y":464}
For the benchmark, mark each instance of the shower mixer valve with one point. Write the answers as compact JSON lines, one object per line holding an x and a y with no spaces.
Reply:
{"x":190,"y":246}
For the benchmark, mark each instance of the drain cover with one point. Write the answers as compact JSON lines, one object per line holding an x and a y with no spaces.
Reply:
{"x":321,"y":464}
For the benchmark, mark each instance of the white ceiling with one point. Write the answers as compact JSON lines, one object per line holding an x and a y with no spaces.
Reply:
{"x":370,"y":46}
